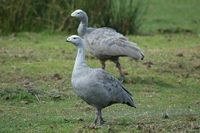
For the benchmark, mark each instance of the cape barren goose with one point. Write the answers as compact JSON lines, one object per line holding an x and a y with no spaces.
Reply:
{"x":95,"y":86}
{"x":105,"y":43}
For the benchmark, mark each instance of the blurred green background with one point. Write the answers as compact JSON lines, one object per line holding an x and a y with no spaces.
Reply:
{"x":129,"y":16}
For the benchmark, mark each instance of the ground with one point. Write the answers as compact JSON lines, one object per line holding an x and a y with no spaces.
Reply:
{"x":36,"y":93}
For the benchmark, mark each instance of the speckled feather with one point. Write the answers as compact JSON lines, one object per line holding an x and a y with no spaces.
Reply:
{"x":100,"y":89}
{"x":107,"y":42}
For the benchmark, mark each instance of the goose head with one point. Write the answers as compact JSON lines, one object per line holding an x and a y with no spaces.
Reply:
{"x":76,"y":40}
{"x":80,"y":14}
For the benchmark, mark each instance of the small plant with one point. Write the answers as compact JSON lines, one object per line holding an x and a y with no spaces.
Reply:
{"x":16,"y":94}
{"x":127,"y":16}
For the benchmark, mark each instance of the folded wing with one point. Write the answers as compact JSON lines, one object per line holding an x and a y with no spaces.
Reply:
{"x":106,"y":41}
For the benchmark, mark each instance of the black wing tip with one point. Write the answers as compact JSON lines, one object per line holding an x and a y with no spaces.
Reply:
{"x":142,"y":57}
{"x":130,"y":104}
{"x":127,"y":91}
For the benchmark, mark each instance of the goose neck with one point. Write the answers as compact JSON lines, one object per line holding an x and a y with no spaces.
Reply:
{"x":82,"y":29}
{"x":80,"y":58}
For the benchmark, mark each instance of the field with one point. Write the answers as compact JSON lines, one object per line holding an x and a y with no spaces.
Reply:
{"x":36,"y":94}
{"x":172,"y":16}
{"x":35,"y":73}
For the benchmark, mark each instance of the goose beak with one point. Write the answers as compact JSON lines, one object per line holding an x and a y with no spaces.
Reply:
{"x":68,"y":39}
{"x":73,"y":14}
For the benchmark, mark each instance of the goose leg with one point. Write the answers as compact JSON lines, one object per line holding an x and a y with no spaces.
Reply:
{"x":103,"y":64}
{"x":101,"y":119}
{"x":98,"y":118}
{"x":118,"y":65}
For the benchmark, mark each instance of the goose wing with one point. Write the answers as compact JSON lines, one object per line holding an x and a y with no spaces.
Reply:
{"x":114,"y":91}
{"x":106,"y":41}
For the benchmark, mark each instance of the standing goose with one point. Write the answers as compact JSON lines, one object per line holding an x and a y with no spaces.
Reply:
{"x":105,"y":43}
{"x":95,"y":86}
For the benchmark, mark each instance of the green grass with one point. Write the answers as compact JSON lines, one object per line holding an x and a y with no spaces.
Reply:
{"x":36,"y":94}
{"x":172,"y":16}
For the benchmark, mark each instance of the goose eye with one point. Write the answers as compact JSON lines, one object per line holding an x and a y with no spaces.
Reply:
{"x":74,"y":38}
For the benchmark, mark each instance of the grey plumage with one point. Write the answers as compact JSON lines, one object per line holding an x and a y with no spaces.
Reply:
{"x":105,"y":43}
{"x":95,"y":86}
{"x":116,"y":44}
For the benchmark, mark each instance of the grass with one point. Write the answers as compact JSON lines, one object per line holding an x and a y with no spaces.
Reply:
{"x":172,"y":16}
{"x":36,"y":93}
